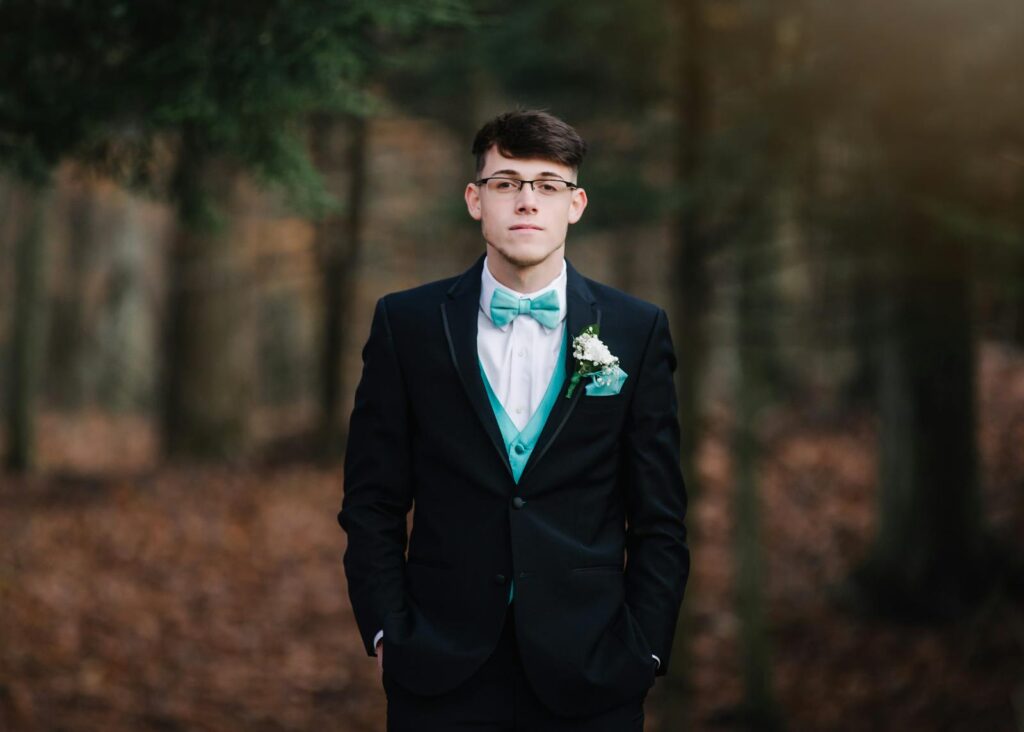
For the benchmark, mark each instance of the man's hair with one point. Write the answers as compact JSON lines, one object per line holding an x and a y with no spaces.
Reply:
{"x":530,"y":133}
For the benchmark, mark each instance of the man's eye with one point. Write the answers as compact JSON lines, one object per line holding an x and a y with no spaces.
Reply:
{"x":504,"y":185}
{"x":547,"y":187}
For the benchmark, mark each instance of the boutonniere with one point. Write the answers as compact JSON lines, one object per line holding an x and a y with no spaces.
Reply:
{"x":593,"y":359}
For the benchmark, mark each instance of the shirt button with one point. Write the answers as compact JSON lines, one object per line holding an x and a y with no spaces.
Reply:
{"x":519,"y":410}
{"x":522,"y":352}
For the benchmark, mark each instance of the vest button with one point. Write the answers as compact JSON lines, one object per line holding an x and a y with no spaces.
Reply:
{"x":518,"y":448}
{"x":518,"y":502}
{"x":499,"y":579}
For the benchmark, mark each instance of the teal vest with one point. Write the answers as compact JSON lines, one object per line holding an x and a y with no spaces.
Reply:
{"x":519,"y":444}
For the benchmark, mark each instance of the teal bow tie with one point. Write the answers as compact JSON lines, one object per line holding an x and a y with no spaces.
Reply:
{"x":505,"y":307}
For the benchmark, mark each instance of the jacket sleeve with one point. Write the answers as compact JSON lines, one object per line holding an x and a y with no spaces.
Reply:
{"x":378,"y":485}
{"x":657,"y":557}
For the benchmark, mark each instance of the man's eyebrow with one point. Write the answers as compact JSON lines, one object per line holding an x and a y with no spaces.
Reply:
{"x":517,"y":174}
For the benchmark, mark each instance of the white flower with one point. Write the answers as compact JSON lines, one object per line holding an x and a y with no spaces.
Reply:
{"x":592,"y":356}
{"x":588,"y":347}
{"x":598,"y":352}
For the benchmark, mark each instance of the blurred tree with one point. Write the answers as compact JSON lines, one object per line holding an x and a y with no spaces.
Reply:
{"x":759,"y":710}
{"x":692,"y":247}
{"x":208,"y":91}
{"x":68,"y":318}
{"x":339,"y":238}
{"x":928,"y":557}
{"x":928,"y":106}
{"x":29,"y":325}
{"x":746,"y":169}
{"x":691,"y":295}
{"x":208,"y":374}
{"x":341,"y":152}
{"x":242,"y":88}
{"x":55,"y":62}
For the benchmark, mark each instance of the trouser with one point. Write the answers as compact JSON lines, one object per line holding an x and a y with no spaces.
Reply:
{"x":497,"y":698}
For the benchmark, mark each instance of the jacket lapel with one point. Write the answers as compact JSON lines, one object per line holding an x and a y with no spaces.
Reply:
{"x":582,"y":311}
{"x":459,"y":312}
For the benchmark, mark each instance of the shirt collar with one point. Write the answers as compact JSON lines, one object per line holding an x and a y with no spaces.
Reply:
{"x":488,"y":284}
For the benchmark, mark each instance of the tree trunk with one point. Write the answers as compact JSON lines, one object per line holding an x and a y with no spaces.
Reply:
{"x":927,"y":560}
{"x":339,"y":242}
{"x":760,"y":711}
{"x":759,"y":372}
{"x":690,"y":300}
{"x":209,"y":347}
{"x":864,"y":304}
{"x":689,"y":271}
{"x":126,"y":361}
{"x":69,"y":340}
{"x":27,"y":338}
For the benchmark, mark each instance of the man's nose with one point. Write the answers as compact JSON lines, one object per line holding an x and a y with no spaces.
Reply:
{"x":526,"y":199}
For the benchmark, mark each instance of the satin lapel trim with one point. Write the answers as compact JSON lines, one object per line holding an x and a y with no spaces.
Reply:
{"x":459,"y":314}
{"x":581,"y":312}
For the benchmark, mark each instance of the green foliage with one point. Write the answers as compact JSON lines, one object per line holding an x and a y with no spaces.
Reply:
{"x":103,"y":79}
{"x":600,"y":58}
{"x":57,"y":61}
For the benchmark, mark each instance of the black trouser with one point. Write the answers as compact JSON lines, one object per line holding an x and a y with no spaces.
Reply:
{"x":497,"y":698}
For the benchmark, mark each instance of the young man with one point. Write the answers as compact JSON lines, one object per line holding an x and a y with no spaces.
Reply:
{"x":547,"y":558}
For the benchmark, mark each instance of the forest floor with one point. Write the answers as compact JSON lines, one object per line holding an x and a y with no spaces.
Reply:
{"x":142,"y":597}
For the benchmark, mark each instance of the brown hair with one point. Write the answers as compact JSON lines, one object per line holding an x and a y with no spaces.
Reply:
{"x":530,"y":133}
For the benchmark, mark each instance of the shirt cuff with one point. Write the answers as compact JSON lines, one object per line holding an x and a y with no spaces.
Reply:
{"x":376,"y":640}
{"x":655,"y":658}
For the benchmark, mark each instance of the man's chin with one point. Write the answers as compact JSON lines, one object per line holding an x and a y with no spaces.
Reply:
{"x":524,"y":258}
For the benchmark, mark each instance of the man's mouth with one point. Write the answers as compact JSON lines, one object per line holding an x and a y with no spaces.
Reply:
{"x":518,"y":227}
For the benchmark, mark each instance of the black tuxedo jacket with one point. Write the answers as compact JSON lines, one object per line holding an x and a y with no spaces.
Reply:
{"x":593,"y":534}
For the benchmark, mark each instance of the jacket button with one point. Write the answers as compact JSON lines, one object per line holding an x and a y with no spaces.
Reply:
{"x":499,"y":579}
{"x":518,"y":502}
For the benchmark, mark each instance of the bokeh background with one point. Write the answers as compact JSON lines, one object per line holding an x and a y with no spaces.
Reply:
{"x":201,"y":202}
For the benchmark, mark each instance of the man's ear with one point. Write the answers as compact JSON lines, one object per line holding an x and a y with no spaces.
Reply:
{"x":473,"y":201}
{"x":578,"y":205}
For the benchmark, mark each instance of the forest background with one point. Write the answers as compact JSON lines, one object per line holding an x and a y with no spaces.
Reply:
{"x":201,"y":202}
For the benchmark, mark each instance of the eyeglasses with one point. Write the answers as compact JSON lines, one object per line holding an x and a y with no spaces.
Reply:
{"x":543,"y":186}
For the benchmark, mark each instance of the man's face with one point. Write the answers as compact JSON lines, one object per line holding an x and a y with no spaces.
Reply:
{"x":525,"y":228}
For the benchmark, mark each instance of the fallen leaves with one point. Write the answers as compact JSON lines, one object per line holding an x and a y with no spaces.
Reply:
{"x":184,"y":598}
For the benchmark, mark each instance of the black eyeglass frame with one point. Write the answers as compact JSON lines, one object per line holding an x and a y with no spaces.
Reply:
{"x":569,"y":184}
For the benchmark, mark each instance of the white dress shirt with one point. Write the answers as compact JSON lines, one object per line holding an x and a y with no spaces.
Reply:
{"x":519,"y":358}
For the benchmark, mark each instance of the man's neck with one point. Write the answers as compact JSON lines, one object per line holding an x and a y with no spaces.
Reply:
{"x":525,"y":279}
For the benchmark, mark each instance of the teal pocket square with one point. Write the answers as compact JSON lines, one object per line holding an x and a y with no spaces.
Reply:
{"x":607,"y":382}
